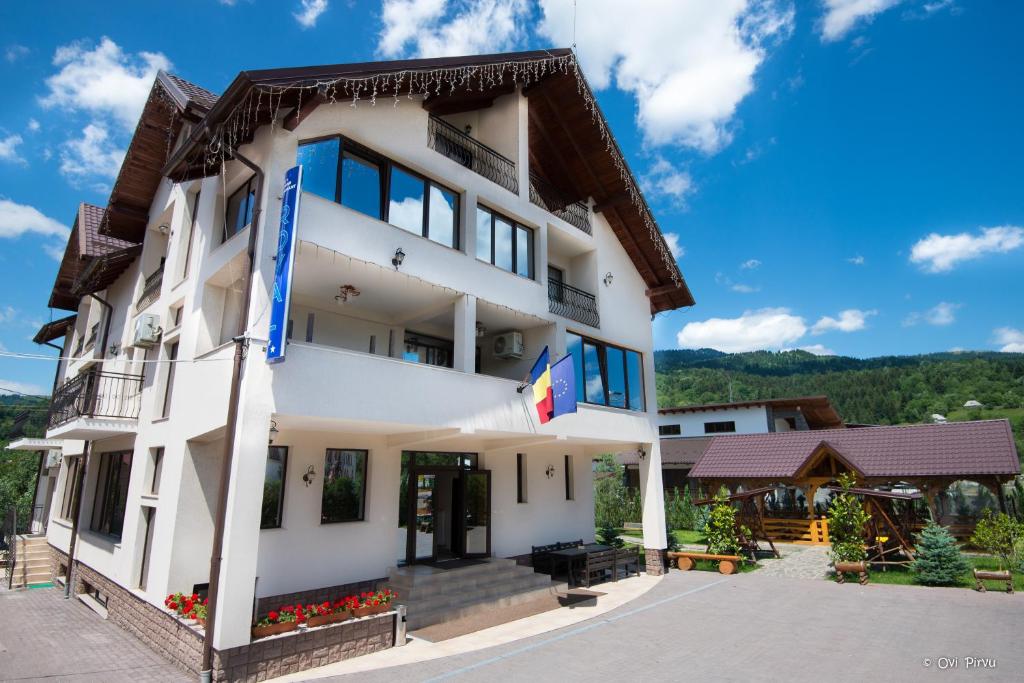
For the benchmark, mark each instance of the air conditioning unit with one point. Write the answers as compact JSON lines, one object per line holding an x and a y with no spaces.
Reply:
{"x":147,"y":331}
{"x":508,"y":345}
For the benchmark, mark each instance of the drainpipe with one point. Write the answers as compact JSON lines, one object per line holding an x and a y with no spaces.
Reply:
{"x":75,"y":510}
{"x":42,"y":454}
{"x":241,"y":344}
{"x":106,"y":323}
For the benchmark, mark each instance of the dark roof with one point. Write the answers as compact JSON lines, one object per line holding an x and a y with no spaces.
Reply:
{"x":54,"y":329}
{"x":85,"y":244}
{"x":573,"y":147}
{"x":817,"y":410}
{"x":193,"y":93}
{"x":955,"y":449}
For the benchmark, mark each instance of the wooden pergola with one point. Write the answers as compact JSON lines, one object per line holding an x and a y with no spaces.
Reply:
{"x":750,"y":518}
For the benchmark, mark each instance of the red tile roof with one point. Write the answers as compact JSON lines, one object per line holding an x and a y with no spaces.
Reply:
{"x":955,"y":449}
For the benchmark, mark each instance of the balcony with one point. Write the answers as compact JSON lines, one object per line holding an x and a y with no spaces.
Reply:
{"x":95,"y":405}
{"x":446,"y":139}
{"x":551,"y":199}
{"x":575,"y":304}
{"x":151,"y":289}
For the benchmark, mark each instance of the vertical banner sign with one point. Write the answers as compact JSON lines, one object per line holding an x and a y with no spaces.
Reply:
{"x":281,"y":297}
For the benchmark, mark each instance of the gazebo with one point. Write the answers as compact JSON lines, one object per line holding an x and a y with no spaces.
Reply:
{"x":801,"y":467}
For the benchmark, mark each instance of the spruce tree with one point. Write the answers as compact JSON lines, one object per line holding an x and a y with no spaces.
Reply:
{"x":939,"y":561}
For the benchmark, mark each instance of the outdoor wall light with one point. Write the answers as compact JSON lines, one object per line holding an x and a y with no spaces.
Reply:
{"x":309,"y":476}
{"x":608,"y":277}
{"x":468,"y":129}
{"x":274,"y":431}
{"x":550,"y":471}
{"x":164,"y":229}
{"x":642,"y":453}
{"x":397,"y":259}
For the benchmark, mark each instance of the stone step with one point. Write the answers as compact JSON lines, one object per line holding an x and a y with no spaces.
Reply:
{"x":34,"y":555}
{"x":407,"y":577}
{"x":455,"y":602}
{"x":449,"y":613}
{"x":456,"y":585}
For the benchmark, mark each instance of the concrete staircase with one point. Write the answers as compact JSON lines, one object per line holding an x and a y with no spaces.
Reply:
{"x":33,"y":561}
{"x":432,"y":595}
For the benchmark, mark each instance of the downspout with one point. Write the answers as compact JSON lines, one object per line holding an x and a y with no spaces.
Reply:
{"x":75,"y":510}
{"x":42,"y":454}
{"x":241,"y":343}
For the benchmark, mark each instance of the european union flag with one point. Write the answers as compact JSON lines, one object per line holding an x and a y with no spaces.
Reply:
{"x":563,"y":386}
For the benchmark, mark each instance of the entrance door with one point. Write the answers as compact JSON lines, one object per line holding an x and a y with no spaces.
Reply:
{"x":476,"y":496}
{"x":436,"y":522}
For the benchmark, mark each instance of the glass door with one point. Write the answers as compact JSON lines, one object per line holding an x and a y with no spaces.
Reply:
{"x":423,"y":520}
{"x":476,"y":499}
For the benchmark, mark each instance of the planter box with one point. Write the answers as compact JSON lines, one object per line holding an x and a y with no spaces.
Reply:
{"x":367,"y":611}
{"x":323,"y":620}
{"x":273,"y":629}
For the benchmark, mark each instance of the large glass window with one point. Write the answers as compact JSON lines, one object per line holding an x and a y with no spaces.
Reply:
{"x":111,"y":493}
{"x":273,"y":487}
{"x":344,"y":495}
{"x":240,"y":207}
{"x":504,"y":243}
{"x":611,"y":376}
{"x":376,"y":186}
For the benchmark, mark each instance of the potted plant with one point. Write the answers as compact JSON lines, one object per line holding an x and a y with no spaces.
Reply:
{"x":276,"y":622}
{"x":321,"y":614}
{"x":200,"y":611}
{"x":846,"y":520}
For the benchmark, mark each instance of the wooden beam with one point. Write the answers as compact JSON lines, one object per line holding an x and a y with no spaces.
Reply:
{"x":661,"y":289}
{"x":563,"y":167}
{"x":610,"y":202}
{"x":302,"y":112}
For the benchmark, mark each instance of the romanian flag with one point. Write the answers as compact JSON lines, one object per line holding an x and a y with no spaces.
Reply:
{"x":540,"y":377}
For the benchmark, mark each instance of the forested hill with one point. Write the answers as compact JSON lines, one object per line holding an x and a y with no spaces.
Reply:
{"x":884,"y":390}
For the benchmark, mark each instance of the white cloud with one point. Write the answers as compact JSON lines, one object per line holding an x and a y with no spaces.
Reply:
{"x":104,"y":80}
{"x":689,"y":64}
{"x":672,"y":240}
{"x":309,"y":12}
{"x":750,"y":264}
{"x":850,"y":320}
{"x":940,"y":253}
{"x":91,"y":155}
{"x":18,"y":219}
{"x":33,"y":125}
{"x":766,"y":328}
{"x":943,"y":313}
{"x":665,"y":180}
{"x":9,"y":149}
{"x":10,"y":386}
{"x":8,"y":314}
{"x":818,"y":350}
{"x":438,"y":28}
{"x":1010,"y":339}
{"x":15,"y":52}
{"x":842,"y":15}
{"x":55,"y":251}
{"x":857,"y":260}
{"x":744,"y":289}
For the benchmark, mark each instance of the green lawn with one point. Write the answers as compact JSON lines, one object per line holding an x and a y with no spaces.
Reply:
{"x":904,"y":577}
{"x":682,"y":535}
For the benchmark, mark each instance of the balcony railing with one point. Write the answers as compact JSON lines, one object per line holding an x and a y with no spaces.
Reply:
{"x":151,"y":288}
{"x":550,"y":198}
{"x":569,"y":302}
{"x":446,"y":139}
{"x":96,"y":394}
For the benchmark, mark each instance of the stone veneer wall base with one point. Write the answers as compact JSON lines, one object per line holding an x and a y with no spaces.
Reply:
{"x":265,"y":658}
{"x":656,"y":561}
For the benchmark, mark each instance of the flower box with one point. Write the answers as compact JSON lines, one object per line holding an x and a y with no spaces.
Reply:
{"x":370,"y":609}
{"x":273,"y":629}
{"x":324,"y":619}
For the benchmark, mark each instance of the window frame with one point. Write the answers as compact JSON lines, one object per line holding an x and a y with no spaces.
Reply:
{"x":250,"y":189}
{"x":279,"y":517}
{"x":72,"y":470}
{"x":724,"y":423}
{"x":516,"y":225}
{"x":521,"y":489}
{"x":172,"y":358}
{"x":362,"y":500}
{"x":670,"y":430}
{"x":570,"y":479}
{"x":103,"y":506}
{"x":385,"y":165}
{"x":157,"y":457}
{"x":602,"y":360}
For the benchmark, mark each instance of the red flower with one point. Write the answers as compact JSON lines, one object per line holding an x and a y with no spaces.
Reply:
{"x":206,"y":601}
{"x":273,"y":616}
{"x":300,"y":617}
{"x":173,"y":606}
{"x":195,"y":597}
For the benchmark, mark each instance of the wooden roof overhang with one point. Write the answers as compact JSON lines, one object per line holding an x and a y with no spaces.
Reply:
{"x":571,"y":145}
{"x":55,"y":329}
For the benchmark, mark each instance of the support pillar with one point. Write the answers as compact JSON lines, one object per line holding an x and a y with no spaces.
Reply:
{"x":465,"y":333}
{"x":652,"y":493}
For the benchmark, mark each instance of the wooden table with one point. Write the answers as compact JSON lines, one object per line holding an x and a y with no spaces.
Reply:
{"x":574,"y":555}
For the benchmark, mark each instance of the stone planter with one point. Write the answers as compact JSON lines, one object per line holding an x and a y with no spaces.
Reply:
{"x":273,"y":629}
{"x":858,"y":568}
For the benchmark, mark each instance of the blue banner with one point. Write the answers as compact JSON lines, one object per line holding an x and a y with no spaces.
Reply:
{"x":563,"y":386}
{"x":282,"y":295}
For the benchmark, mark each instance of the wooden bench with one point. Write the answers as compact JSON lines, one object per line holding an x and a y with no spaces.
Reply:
{"x":542,"y":553}
{"x":727,"y":564}
{"x":599,"y":562}
{"x":626,"y":558}
{"x":980,"y":576}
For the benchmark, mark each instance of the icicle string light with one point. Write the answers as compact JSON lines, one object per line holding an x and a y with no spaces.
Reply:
{"x":240,"y":123}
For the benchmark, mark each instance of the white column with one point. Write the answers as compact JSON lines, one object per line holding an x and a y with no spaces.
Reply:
{"x":652,"y":492}
{"x":465,"y":333}
{"x":467,"y":219}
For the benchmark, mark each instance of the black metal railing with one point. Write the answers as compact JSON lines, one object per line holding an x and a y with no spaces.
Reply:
{"x":19,"y":425}
{"x":569,"y":302}
{"x":151,"y":288}
{"x":446,"y":139}
{"x":550,"y":198}
{"x":96,"y":394}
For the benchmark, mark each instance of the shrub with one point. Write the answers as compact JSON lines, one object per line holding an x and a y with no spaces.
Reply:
{"x":609,"y":535}
{"x":720,"y":528}
{"x":999,"y":535}
{"x":670,"y":537}
{"x":680,"y":512}
{"x":938,"y":561}
{"x":846,"y":520}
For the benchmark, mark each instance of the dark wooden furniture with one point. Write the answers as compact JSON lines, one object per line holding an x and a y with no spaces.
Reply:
{"x":980,"y":576}
{"x":627,"y":558}
{"x":727,"y":564}
{"x":574,"y":555}
{"x":597,"y":563}
{"x":541,"y":554}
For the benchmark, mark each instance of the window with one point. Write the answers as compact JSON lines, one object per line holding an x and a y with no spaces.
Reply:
{"x":570,"y":493}
{"x":347,"y":173}
{"x":74,"y":466}
{"x":240,"y":207}
{"x":185,"y":245}
{"x":520,"y":477}
{"x":273,"y":487}
{"x":504,"y":243}
{"x":556,"y":278}
{"x":149,"y":526}
{"x":611,"y":376}
{"x":670,"y":430}
{"x":172,"y":357}
{"x":344,"y":495}
{"x":719,"y":427}
{"x":111,"y":493}
{"x":422,"y":348}
{"x":157,"y":456}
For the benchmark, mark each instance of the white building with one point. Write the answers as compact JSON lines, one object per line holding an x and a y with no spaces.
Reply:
{"x":442,"y":242}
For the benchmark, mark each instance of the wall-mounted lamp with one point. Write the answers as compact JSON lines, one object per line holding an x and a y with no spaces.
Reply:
{"x":309,"y":476}
{"x":114,"y":349}
{"x":608,"y":277}
{"x":274,"y":431}
{"x":481,"y":329}
{"x":550,"y":471}
{"x":642,"y":453}
{"x":397,"y":259}
{"x":468,"y":129}
{"x":164,"y":229}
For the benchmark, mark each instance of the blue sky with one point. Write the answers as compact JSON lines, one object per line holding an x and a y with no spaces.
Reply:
{"x":838,"y":175}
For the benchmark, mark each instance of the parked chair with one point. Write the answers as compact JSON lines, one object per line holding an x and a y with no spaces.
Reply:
{"x":541,"y":554}
{"x":626,"y":558}
{"x":599,"y":563}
